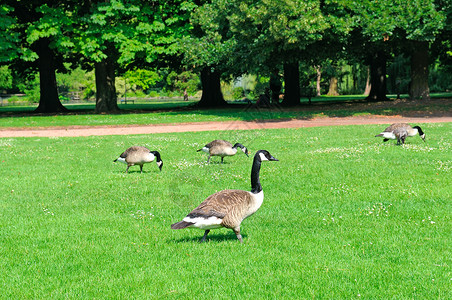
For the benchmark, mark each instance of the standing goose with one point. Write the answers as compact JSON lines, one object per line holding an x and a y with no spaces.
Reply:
{"x":222,"y":148}
{"x":398,"y":130}
{"x":228,"y":208}
{"x":138,"y":155}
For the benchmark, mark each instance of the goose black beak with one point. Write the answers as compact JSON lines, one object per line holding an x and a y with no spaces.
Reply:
{"x":273,"y":159}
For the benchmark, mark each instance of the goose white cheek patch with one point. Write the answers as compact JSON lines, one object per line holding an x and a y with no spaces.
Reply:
{"x":262,"y":156}
{"x":123,"y":160}
{"x":205,"y":149}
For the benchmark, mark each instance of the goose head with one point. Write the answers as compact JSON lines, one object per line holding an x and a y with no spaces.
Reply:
{"x":158,"y":159}
{"x":243,"y":148}
{"x":421,"y":133}
{"x":265,"y":155}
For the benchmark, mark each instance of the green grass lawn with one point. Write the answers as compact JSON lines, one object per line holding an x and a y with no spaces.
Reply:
{"x":179,"y":111}
{"x":344,"y":216}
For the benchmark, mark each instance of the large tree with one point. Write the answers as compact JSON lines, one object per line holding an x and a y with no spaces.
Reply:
{"x":118,"y":35}
{"x":207,"y":49}
{"x":40,"y":42}
{"x":264,"y":36}
{"x":421,"y":22}
{"x":385,"y":27}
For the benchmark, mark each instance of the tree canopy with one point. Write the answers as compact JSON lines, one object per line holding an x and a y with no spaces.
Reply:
{"x":220,"y":39}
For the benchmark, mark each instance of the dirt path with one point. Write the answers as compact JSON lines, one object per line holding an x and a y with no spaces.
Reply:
{"x":73,"y":131}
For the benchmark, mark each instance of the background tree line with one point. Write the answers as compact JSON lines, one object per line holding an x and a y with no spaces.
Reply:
{"x":290,"y":43}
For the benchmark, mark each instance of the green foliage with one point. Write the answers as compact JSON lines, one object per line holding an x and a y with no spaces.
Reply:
{"x":141,"y":78}
{"x":418,"y":20}
{"x":133,"y":30}
{"x":344,"y":216}
{"x":185,"y":80}
{"x":238,"y":93}
{"x":31,"y":88}
{"x":6,"y":79}
{"x":8,"y":38}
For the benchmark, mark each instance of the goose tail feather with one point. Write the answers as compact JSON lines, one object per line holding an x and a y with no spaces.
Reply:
{"x":181,"y":225}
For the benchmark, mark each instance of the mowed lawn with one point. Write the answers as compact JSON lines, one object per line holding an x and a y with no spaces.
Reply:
{"x":344,"y":216}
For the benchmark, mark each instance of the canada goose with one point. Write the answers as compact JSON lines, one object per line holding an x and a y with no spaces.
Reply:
{"x":398,"y":130}
{"x":222,"y":148}
{"x":228,"y":208}
{"x":138,"y":155}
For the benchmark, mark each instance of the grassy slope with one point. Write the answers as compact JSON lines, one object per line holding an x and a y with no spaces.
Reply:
{"x":344,"y":216}
{"x":178,"y":112}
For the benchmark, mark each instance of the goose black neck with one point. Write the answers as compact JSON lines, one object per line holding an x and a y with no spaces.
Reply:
{"x":157,"y":155}
{"x":237,"y":145}
{"x":256,"y":186}
{"x":419,"y":130}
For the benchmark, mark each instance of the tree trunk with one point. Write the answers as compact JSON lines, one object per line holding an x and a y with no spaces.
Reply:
{"x":333,"y":89}
{"x":49,"y":101}
{"x":292,"y":84}
{"x":377,"y":78}
{"x":419,"y":88}
{"x":186,"y":94}
{"x":367,"y":89}
{"x":211,"y":89}
{"x":318,"y":70}
{"x":106,"y":100}
{"x":275,"y":86}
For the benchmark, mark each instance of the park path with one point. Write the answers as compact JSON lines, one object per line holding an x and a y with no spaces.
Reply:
{"x":73,"y":131}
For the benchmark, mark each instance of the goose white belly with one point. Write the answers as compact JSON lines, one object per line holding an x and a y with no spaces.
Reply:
{"x":389,"y":135}
{"x":204,"y":223}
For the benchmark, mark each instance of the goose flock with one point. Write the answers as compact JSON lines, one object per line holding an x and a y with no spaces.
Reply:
{"x":228,"y":208}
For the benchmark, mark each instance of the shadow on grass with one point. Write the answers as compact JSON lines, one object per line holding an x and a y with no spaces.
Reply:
{"x":133,"y":171}
{"x":319,"y":107}
{"x":212,"y":237}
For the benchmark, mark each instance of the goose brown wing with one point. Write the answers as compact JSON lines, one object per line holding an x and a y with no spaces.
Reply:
{"x":134,"y":149}
{"x":218,"y":143}
{"x":397,"y":126}
{"x":221,"y":204}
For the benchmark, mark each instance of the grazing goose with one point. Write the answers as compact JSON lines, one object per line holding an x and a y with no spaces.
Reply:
{"x":138,"y":155}
{"x":228,"y":208}
{"x":222,"y":148}
{"x":398,"y":130}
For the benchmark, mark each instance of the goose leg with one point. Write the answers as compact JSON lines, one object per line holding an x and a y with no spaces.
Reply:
{"x":208,"y":159}
{"x":127,"y":170}
{"x":141,"y":168}
{"x":205,"y":235}
{"x":237,"y":233}
{"x":222,"y":159}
